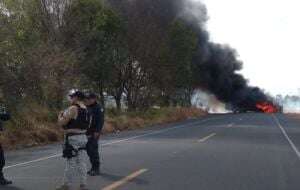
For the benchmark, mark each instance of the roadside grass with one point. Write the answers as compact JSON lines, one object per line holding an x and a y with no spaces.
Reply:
{"x":36,"y":125}
{"x":33,"y":125}
{"x":134,"y":120}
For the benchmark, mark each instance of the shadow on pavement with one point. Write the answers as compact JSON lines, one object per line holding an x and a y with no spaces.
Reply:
{"x":112,"y":177}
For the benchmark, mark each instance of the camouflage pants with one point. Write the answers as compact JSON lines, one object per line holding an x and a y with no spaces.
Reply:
{"x":76,"y":167}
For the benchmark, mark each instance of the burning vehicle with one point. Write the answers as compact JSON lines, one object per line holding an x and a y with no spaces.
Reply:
{"x":267,"y":107}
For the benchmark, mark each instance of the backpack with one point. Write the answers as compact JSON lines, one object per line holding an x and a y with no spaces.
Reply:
{"x":83,"y":120}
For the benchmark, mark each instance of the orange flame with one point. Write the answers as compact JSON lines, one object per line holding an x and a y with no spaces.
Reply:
{"x":266,"y":107}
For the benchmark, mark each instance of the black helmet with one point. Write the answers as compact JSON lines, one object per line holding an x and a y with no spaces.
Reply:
{"x":77,"y":93}
{"x":91,"y":95}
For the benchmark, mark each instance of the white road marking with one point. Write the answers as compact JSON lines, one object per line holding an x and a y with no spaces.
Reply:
{"x":230,"y":125}
{"x":286,"y":136}
{"x":33,"y":161}
{"x":207,"y":137}
{"x":114,"y":142}
{"x":125,"y":180}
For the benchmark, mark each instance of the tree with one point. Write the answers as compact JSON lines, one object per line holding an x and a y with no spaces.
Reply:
{"x":32,"y":62}
{"x":93,"y":31}
{"x":181,"y":46}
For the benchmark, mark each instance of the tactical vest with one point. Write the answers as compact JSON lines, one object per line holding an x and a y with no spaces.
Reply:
{"x":82,"y":121}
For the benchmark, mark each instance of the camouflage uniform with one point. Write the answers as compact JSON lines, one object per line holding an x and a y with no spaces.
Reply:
{"x":76,"y":166}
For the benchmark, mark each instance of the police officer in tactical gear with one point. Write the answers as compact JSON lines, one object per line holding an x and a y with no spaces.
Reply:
{"x":75,"y":122}
{"x":4,"y":116}
{"x":97,"y":115}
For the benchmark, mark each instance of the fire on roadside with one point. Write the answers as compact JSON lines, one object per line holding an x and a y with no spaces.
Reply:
{"x":266,"y":107}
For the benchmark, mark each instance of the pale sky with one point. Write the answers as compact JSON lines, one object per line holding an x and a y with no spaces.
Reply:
{"x":266,"y":33}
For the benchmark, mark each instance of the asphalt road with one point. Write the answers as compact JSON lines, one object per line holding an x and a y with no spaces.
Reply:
{"x":220,"y":152}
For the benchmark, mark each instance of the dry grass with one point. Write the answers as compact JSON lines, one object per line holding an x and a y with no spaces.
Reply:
{"x":129,"y":121}
{"x":35,"y":127}
{"x":31,"y":127}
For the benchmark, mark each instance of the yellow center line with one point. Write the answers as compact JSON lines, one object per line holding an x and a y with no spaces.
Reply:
{"x":125,"y":180}
{"x":207,"y":137}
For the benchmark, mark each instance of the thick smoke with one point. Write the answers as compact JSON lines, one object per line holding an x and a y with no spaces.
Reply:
{"x":217,"y":64}
{"x":208,"y":102}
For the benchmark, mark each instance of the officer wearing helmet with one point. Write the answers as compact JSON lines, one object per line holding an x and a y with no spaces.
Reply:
{"x":75,"y":121}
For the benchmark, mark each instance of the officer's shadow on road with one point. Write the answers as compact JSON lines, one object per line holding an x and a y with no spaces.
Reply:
{"x":10,"y":188}
{"x":113,"y":178}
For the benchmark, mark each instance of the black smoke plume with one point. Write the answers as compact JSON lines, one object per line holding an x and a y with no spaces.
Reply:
{"x":217,"y":64}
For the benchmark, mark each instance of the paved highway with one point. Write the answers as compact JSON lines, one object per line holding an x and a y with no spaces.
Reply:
{"x":219,"y":152}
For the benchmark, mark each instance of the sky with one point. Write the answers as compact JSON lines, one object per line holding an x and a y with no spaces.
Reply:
{"x":266,"y":34}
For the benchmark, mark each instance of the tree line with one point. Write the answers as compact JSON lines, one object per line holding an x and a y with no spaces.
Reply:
{"x":50,"y":46}
{"x":142,"y":52}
